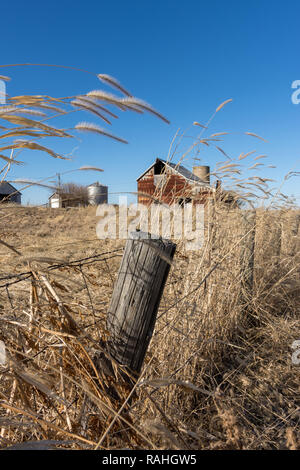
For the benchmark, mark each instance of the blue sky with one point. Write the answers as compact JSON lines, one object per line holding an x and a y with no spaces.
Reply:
{"x":185,"y":58}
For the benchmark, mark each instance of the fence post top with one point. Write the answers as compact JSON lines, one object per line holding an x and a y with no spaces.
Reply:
{"x":139,"y":235}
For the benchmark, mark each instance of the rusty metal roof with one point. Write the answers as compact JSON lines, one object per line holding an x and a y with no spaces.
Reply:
{"x":187,"y":174}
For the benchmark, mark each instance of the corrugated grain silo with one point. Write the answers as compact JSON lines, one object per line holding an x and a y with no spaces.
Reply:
{"x":97,"y":194}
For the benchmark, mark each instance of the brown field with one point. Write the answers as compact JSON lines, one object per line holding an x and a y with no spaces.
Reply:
{"x":218,"y":373}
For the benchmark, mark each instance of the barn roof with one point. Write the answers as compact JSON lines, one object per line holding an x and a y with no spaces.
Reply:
{"x":7,"y":188}
{"x":54,"y":194}
{"x":187,"y":174}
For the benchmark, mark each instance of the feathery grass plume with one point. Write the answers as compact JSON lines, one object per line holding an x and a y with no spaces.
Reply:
{"x":255,"y":166}
{"x":218,"y":134}
{"x":257,"y":185}
{"x":32,"y":183}
{"x":26,"y":144}
{"x":10,"y":160}
{"x":256,"y":136}
{"x":93,"y":101}
{"x":195,"y":123}
{"x":230,"y":166}
{"x":204,"y":142}
{"x":33,"y":112}
{"x":259,"y":157}
{"x":87,"y":126}
{"x":90,"y":108}
{"x":113,"y":82}
{"x":25,"y":122}
{"x":222,"y":105}
{"x":94,"y":168}
{"x":291,"y":174}
{"x":107,"y":97}
{"x":242,"y":155}
{"x":38,"y":101}
{"x":222,"y":151}
{"x":7,"y":109}
{"x":49,"y":107}
{"x":19,"y":131}
{"x":263,"y":179}
{"x":27,"y":100}
{"x":229,"y":170}
{"x":38,"y":105}
{"x":133,"y":107}
{"x":260,"y":181}
{"x":144,"y":106}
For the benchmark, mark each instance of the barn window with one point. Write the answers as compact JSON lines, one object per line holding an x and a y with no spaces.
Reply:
{"x":159,"y":168}
{"x":160,"y":176}
{"x":183,"y":201}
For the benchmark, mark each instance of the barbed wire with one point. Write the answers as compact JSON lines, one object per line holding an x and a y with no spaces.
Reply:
{"x":19,"y":277}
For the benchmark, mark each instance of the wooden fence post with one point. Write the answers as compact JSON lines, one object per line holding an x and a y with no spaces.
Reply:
{"x":136,"y":296}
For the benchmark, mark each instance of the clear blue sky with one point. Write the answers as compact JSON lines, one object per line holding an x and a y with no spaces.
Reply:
{"x":183,"y":57}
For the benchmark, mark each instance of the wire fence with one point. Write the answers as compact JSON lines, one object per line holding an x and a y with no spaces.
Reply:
{"x":77,"y":285}
{"x":19,"y":277}
{"x":201,"y":334}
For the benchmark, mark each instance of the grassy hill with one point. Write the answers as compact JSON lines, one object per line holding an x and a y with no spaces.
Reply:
{"x":219,"y":371}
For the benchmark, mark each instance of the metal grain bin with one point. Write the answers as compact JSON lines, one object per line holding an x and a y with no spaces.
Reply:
{"x":97,"y":194}
{"x":203,"y":172}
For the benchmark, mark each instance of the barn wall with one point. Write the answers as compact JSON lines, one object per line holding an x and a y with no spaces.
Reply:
{"x":55,"y":202}
{"x":16,"y":198}
{"x":175,"y":188}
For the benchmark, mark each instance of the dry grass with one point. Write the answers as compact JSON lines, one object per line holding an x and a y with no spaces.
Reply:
{"x":218,"y":374}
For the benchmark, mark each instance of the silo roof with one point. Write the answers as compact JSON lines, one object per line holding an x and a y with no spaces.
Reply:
{"x":97,"y":184}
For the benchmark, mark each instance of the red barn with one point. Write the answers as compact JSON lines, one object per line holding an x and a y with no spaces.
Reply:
{"x":170,"y":183}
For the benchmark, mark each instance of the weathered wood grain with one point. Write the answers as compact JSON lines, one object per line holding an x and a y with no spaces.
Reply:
{"x":136,"y":297}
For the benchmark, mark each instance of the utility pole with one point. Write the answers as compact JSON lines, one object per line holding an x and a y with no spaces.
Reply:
{"x":58,"y":181}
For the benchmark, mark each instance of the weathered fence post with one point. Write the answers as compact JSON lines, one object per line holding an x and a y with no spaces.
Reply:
{"x":136,"y":296}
